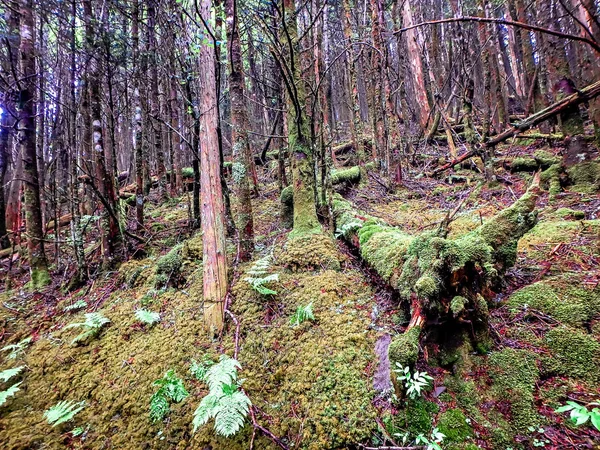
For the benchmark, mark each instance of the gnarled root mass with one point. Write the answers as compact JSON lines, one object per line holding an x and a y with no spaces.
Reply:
{"x":443,"y":280}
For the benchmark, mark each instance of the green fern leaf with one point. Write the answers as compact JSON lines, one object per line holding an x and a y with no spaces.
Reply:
{"x":18,"y":349}
{"x":206,"y":410}
{"x":225,"y":372}
{"x":199,"y":369}
{"x":147,"y":317}
{"x":159,"y":407}
{"x":302,"y":314}
{"x":7,"y":374}
{"x":232,"y":410}
{"x":11,"y":391}
{"x":63,"y":412}
{"x":79,"y":304}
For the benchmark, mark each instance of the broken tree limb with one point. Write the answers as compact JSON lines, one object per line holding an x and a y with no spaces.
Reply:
{"x":441,"y":279}
{"x":588,"y":93}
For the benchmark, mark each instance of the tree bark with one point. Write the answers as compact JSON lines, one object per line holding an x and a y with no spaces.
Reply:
{"x":242,"y":205}
{"x":213,"y":208}
{"x":33,"y":213}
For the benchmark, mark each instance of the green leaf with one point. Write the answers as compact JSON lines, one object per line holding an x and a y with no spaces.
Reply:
{"x":63,"y":412}
{"x":10,"y":392}
{"x":595,"y":418}
{"x":147,"y":317}
{"x":225,"y":372}
{"x":9,"y":373}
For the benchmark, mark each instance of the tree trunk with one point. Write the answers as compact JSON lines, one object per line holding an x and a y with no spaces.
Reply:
{"x":213,"y":208}
{"x":33,"y":212}
{"x":137,"y":121}
{"x":242,"y":205}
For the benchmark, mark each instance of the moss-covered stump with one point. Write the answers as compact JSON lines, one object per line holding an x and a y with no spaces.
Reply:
{"x":445,"y":279}
{"x":540,"y":160}
{"x":309,"y":252}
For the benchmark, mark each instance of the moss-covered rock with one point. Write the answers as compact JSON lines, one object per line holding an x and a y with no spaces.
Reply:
{"x":168,"y":268}
{"x":404,"y":348}
{"x":585,"y":177}
{"x":453,"y":423}
{"x":575,"y":353}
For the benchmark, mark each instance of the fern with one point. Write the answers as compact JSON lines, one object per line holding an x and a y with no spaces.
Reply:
{"x":260,"y":276}
{"x":79,"y":304}
{"x":199,"y":369}
{"x":92,"y":325}
{"x":16,"y":350}
{"x":63,"y":412}
{"x":7,"y":374}
{"x":302,"y":314}
{"x":11,"y":391}
{"x":225,"y":402}
{"x":171,"y":389}
{"x":347,"y":228}
{"x":147,"y":317}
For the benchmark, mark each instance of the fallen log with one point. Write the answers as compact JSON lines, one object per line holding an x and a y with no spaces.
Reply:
{"x":442,"y":280}
{"x":588,"y":93}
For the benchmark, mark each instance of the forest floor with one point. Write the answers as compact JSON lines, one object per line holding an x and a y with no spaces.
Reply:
{"x":318,"y":385}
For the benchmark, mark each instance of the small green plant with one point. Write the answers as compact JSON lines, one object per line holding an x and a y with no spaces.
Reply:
{"x":147,"y":317}
{"x":199,"y":369}
{"x":17,"y":350}
{"x":347,"y":228}
{"x":6,"y":375}
{"x":260,"y":277}
{"x":170,"y":389}
{"x":225,"y":402}
{"x":92,"y":325}
{"x":79,"y":304}
{"x":580,"y":414}
{"x":63,"y":412}
{"x":433,"y":442}
{"x":539,"y":441}
{"x":414,"y":383}
{"x":302,"y":314}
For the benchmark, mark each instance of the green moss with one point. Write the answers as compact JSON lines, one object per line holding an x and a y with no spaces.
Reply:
{"x":574,"y":353}
{"x":550,"y":179}
{"x":453,"y":423}
{"x":352,"y":175}
{"x":310,"y":251}
{"x":192,"y":248}
{"x":40,"y":278}
{"x":585,"y":176}
{"x":187,"y":172}
{"x":514,"y":374}
{"x":168,"y":267}
{"x":457,"y":305}
{"x":563,"y":298}
{"x":418,"y":416}
{"x":404,"y":348}
{"x":567,"y":213}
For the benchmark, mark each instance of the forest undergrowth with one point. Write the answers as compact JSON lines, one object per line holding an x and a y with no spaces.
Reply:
{"x":323,"y":383}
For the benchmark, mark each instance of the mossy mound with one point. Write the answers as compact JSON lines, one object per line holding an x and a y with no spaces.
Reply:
{"x":514,"y":374}
{"x":309,"y":251}
{"x":313,"y":380}
{"x":564,"y":298}
{"x":546,"y":235}
{"x":585,"y":177}
{"x":574,"y":353}
{"x":453,"y":423}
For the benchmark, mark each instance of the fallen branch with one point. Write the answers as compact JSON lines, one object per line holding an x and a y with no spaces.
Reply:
{"x":588,"y":93}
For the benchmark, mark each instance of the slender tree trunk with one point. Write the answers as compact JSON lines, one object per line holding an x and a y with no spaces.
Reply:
{"x":137,"y":121}
{"x":242,"y":205}
{"x":213,"y":208}
{"x":33,"y":212}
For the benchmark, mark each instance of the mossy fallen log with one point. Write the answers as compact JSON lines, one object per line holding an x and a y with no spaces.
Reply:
{"x":442,"y":280}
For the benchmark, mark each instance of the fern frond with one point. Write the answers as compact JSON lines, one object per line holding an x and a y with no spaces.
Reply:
{"x":231,"y":412}
{"x":206,"y":410}
{"x":63,"y":412}
{"x":199,"y":369}
{"x":7,"y":374}
{"x":92,"y":325}
{"x":225,"y":372}
{"x":302,"y":314}
{"x":147,"y":317}
{"x":11,"y":391}
{"x":159,"y":407}
{"x":79,"y":304}
{"x":17,"y":349}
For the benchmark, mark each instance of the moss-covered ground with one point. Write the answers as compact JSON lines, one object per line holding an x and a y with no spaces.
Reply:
{"x":312,"y":384}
